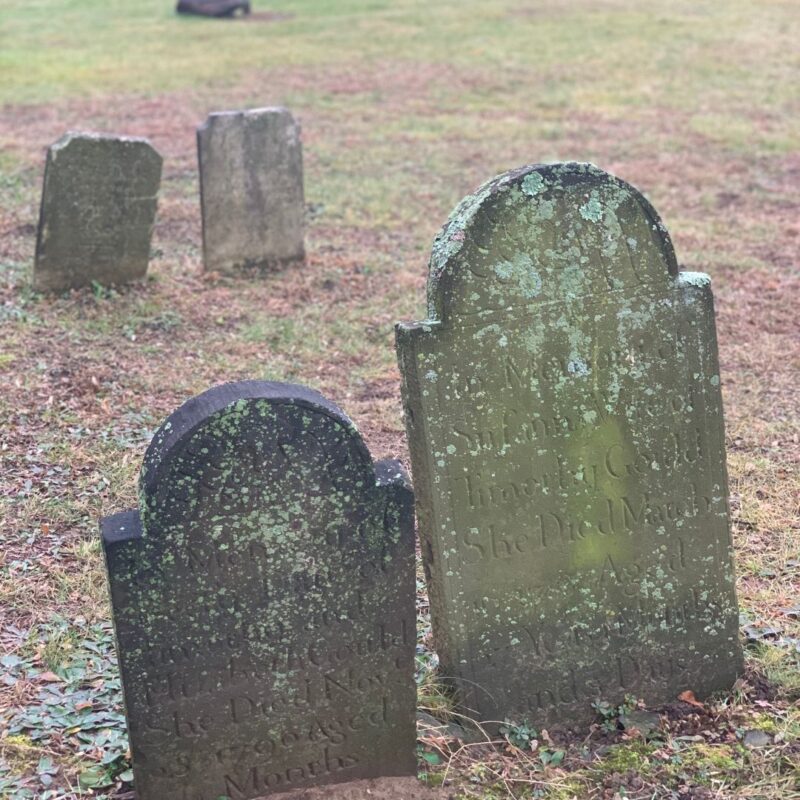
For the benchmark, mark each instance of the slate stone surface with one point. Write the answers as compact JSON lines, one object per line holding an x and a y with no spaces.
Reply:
{"x":263,"y":599}
{"x":251,"y":189}
{"x":97,"y":213}
{"x":565,"y":421}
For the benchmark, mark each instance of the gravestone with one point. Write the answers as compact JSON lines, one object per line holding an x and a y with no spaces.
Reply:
{"x":98,"y":210}
{"x":213,"y":8}
{"x":564,"y":416}
{"x":251,"y":189}
{"x":263,"y":601}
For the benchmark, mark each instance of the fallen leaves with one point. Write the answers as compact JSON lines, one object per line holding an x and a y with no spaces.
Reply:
{"x":688,"y":697}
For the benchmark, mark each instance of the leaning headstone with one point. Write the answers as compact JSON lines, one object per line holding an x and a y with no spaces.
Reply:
{"x":213,"y":8}
{"x":98,"y":210}
{"x":565,"y":422}
{"x":263,"y":600}
{"x":251,"y":189}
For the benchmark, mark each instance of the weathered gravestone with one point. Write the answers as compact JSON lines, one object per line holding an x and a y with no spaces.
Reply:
{"x":98,"y":210}
{"x":565,"y":422}
{"x":251,"y":189}
{"x":213,"y":8}
{"x":263,"y":599}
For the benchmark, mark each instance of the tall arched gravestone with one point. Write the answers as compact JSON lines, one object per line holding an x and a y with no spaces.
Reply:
{"x":263,"y":599}
{"x":565,"y":422}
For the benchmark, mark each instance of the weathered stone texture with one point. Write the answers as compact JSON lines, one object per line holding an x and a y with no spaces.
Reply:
{"x":251,"y":189}
{"x":565,"y":422}
{"x":263,"y":601}
{"x":98,"y":211}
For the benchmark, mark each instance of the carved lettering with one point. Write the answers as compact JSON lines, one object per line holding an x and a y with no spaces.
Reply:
{"x":260,"y":779}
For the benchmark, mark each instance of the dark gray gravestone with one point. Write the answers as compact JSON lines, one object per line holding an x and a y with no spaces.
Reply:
{"x":251,"y":189}
{"x":263,"y":600}
{"x":98,"y":210}
{"x":213,"y":8}
{"x":565,"y":422}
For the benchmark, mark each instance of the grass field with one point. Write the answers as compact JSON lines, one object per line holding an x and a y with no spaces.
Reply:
{"x":405,"y":106}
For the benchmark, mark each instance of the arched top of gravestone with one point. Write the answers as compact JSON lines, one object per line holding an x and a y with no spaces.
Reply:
{"x":545,"y":233}
{"x":226,"y":411}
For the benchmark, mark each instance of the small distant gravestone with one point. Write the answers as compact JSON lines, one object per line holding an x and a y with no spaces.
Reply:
{"x":213,"y":8}
{"x":565,"y":422}
{"x":251,"y":189}
{"x":98,"y":211}
{"x":263,"y":600}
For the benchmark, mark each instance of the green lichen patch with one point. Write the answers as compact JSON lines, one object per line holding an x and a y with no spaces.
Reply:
{"x":521,"y":236}
{"x":592,"y":210}
{"x":532,"y":184}
{"x":696,"y":279}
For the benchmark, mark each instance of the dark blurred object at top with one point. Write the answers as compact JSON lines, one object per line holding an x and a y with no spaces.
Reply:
{"x":213,"y":8}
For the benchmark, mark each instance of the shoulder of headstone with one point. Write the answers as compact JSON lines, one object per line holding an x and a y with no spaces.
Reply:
{"x":121,"y":527}
{"x":693,"y":280}
{"x":411,"y":330}
{"x":391,"y":472}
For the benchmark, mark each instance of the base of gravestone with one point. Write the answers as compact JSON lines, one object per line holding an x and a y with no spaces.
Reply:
{"x":375,"y":789}
{"x":263,"y":267}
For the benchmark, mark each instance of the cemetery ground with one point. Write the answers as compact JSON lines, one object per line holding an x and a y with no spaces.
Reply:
{"x":406,"y":106}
